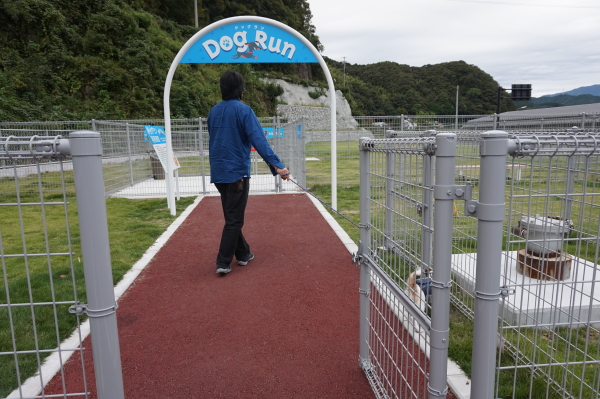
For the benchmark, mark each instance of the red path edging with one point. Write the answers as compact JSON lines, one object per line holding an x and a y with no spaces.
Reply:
{"x":284,"y":326}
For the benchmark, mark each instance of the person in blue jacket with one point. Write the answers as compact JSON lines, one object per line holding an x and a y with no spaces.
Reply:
{"x":233,"y":130}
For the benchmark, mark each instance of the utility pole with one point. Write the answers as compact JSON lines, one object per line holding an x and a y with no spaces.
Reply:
{"x":456,"y":108}
{"x":344,"y":71}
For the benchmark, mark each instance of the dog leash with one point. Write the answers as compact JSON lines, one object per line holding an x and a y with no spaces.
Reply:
{"x":321,"y":201}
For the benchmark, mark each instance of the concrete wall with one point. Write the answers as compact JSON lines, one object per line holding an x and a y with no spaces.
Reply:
{"x":298,"y":103}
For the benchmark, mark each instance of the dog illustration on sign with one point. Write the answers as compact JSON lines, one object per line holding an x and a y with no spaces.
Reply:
{"x":249,"y":52}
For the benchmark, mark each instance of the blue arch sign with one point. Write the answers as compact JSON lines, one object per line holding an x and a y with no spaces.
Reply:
{"x":248,"y":42}
{"x":246,"y":39}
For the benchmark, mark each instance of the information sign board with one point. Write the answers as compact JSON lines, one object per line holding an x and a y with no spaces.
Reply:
{"x":158,"y":138}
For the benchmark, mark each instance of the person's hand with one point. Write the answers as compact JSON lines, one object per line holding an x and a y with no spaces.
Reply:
{"x":284,"y":173}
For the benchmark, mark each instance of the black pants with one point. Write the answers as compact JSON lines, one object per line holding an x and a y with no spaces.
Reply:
{"x":234,"y":197}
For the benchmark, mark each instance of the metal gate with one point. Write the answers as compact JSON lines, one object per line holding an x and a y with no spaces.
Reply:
{"x":402,"y":350}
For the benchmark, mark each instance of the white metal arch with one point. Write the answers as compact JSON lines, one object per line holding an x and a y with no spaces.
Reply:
{"x":251,"y":19}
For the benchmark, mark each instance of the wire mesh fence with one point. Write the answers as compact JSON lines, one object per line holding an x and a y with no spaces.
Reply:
{"x":551,"y":315}
{"x":132,"y":168}
{"x":403,"y":350}
{"x":318,"y":146}
{"x":46,"y":247}
{"x":541,"y":123}
{"x":548,"y":335}
{"x":190,"y":145}
{"x":547,"y":307}
{"x":41,"y":276}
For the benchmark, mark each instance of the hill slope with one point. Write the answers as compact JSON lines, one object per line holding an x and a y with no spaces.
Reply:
{"x":593,"y":90}
{"x":80,"y":59}
{"x":389,"y":88}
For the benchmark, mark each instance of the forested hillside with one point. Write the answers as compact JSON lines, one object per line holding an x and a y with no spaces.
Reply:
{"x":79,"y":59}
{"x":594,"y":90}
{"x":388,"y":88}
{"x":108,"y":59}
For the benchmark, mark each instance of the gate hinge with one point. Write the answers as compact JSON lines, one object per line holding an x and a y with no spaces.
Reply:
{"x":454,"y":192}
{"x":430,"y":148}
{"x":357,"y":259}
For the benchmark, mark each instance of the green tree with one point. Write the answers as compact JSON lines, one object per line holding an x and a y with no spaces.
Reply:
{"x":430,"y":89}
{"x":81,"y":59}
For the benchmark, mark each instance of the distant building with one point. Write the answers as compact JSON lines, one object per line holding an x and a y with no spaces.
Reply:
{"x":571,"y":109}
{"x":580,"y":117}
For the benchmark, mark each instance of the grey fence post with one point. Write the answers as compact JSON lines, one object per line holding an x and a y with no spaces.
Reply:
{"x":86,"y":150}
{"x":402,"y":122}
{"x":363,"y":251}
{"x":427,"y":209}
{"x":202,"y":168}
{"x":303,"y":151}
{"x":390,"y":163}
{"x":129,"y":153}
{"x":570,"y":186}
{"x":444,"y":193}
{"x":490,"y":218}
{"x":280,"y":149}
{"x":3,"y":161}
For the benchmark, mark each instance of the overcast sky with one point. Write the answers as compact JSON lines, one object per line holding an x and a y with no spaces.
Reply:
{"x":552,"y":44}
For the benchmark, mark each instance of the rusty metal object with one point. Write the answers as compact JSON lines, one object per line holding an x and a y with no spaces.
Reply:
{"x":555,"y":266}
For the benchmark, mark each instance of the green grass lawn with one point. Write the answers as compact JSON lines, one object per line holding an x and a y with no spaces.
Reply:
{"x":134,"y":225}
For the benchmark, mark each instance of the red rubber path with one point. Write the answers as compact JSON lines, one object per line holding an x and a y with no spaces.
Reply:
{"x":284,"y":326}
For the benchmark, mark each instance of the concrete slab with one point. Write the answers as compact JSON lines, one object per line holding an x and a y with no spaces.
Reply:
{"x":195,"y":185}
{"x":535,"y":302}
